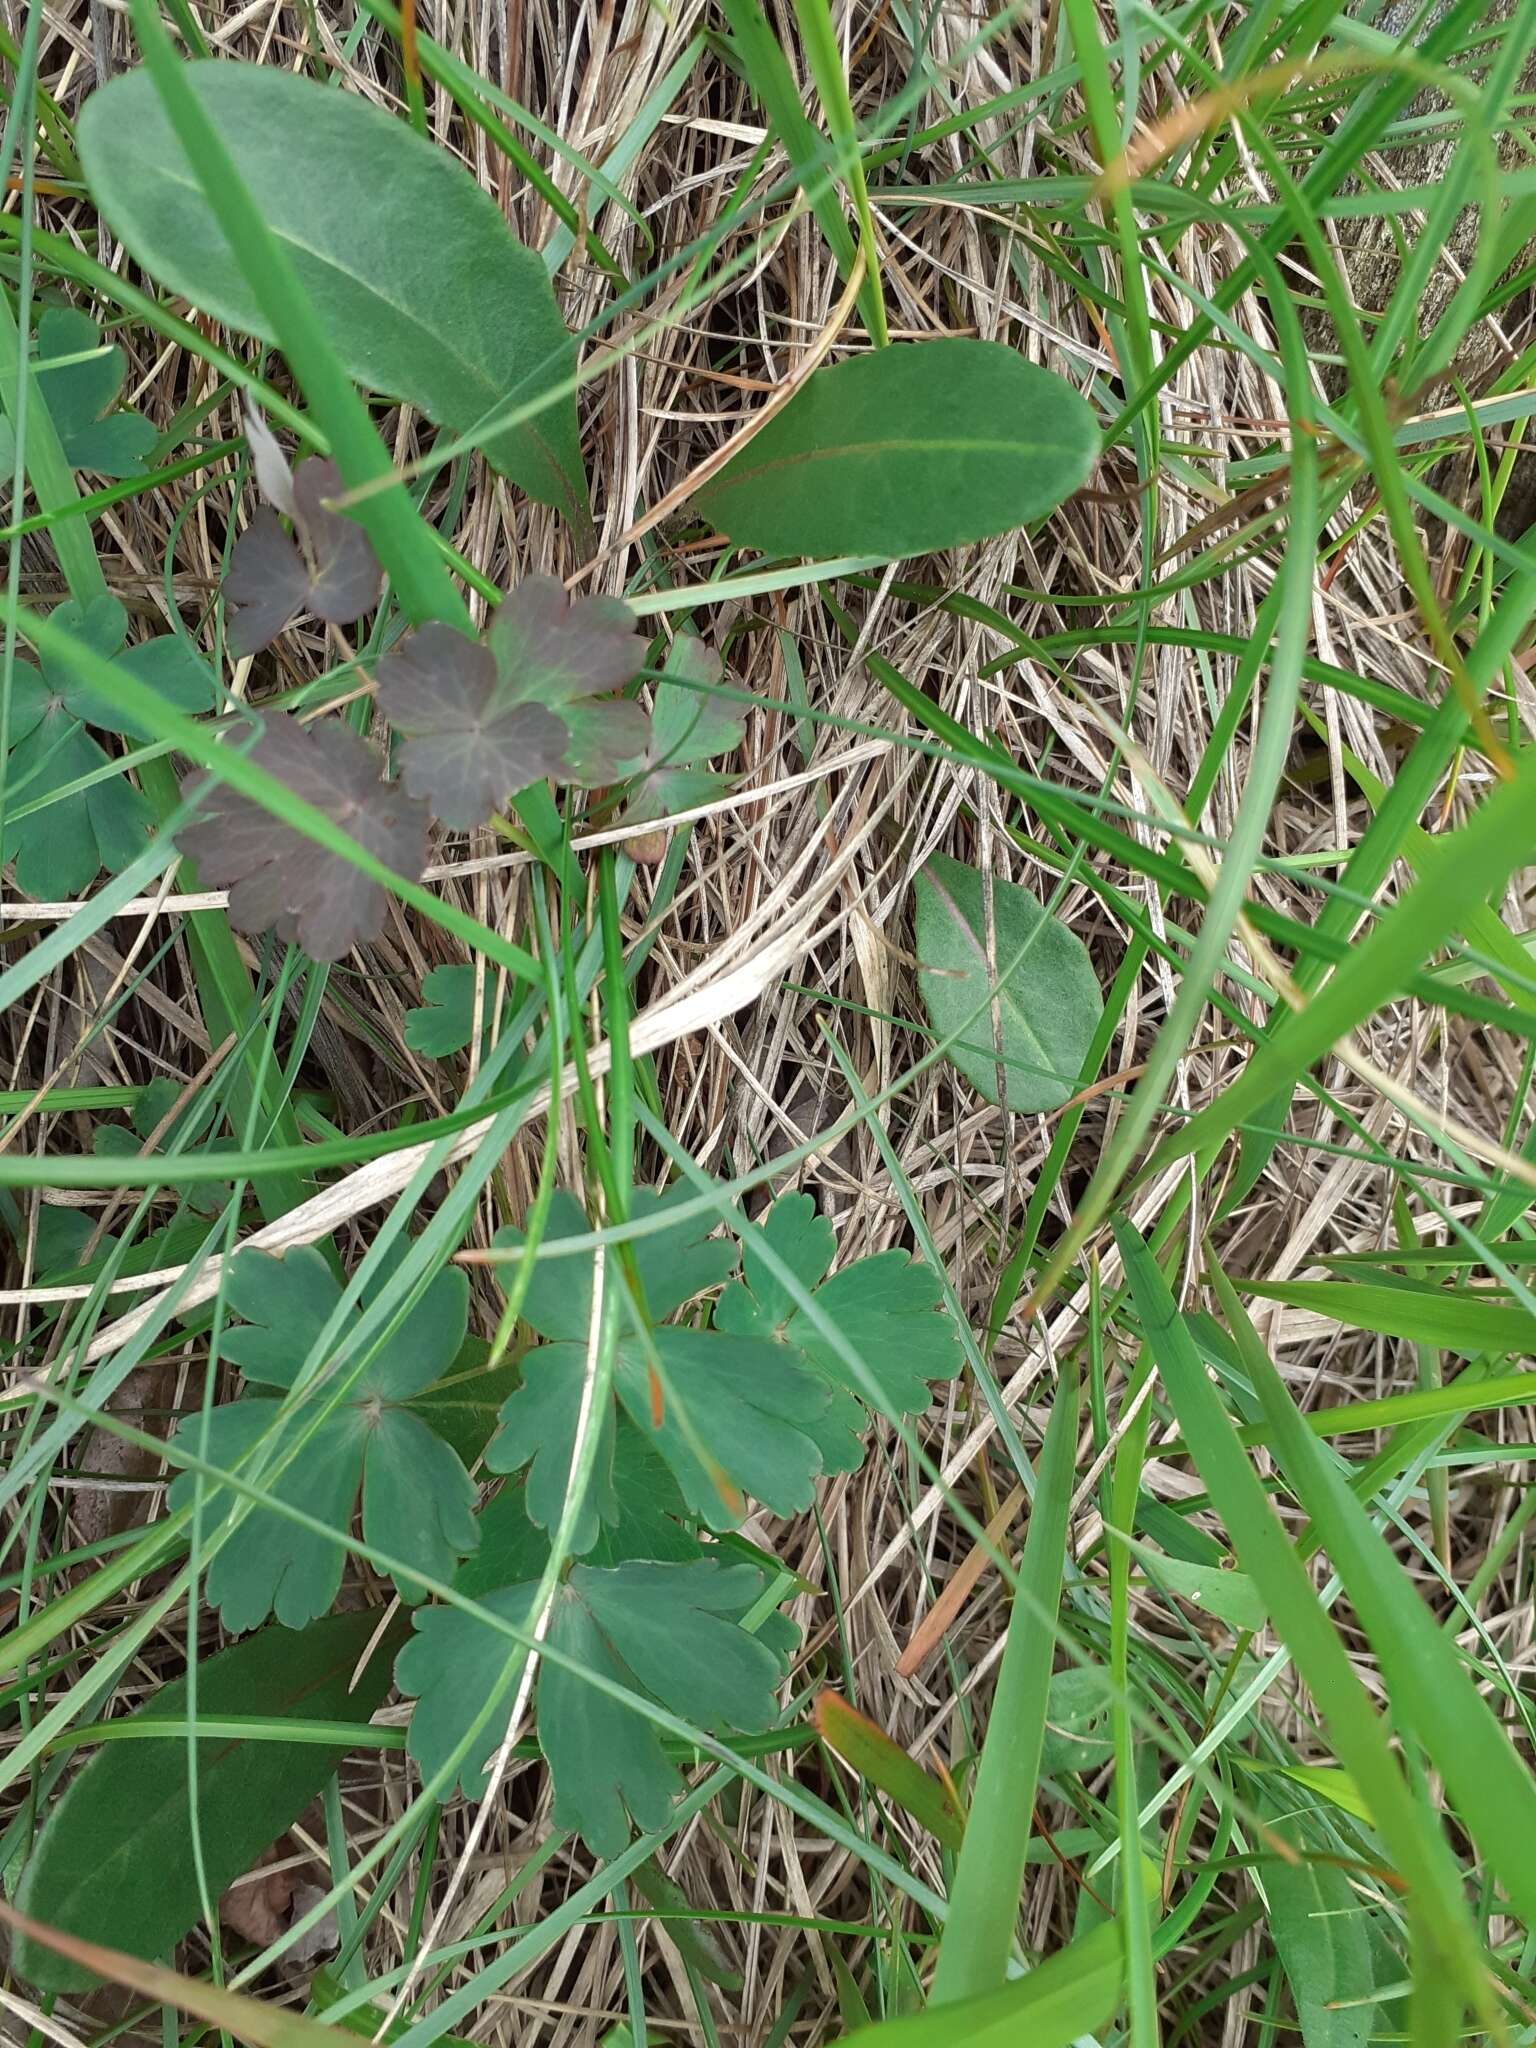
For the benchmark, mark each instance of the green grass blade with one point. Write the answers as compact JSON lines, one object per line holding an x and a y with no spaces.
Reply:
{"x":767,"y":70}
{"x":1471,"y":864}
{"x":1425,"y":1676}
{"x":1454,"y":1320}
{"x":984,"y":1901}
{"x":1411,"y":1833}
{"x":1071,"y":1994}
{"x":826,"y":62}
{"x":1125,"y":1486}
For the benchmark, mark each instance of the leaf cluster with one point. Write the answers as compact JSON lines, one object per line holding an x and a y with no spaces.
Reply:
{"x":754,"y":1399}
{"x":475,"y":722}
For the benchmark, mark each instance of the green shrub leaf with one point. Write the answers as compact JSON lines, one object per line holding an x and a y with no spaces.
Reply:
{"x":418,"y":1500}
{"x":1322,"y":1933}
{"x":1078,"y":1734}
{"x":908,"y":449}
{"x":114,"y":1862}
{"x":1230,"y":1595}
{"x":1045,"y":997}
{"x":423,"y":291}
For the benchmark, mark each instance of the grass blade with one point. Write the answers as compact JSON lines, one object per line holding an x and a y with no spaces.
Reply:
{"x":1072,"y":1993}
{"x":1426,"y":1679}
{"x":1470,"y":865}
{"x":1447,"y":1941}
{"x":984,"y":1902}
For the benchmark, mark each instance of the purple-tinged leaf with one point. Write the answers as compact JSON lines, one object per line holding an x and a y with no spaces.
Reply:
{"x":326,"y":566}
{"x":480,"y":723}
{"x":267,"y":582}
{"x":347,"y":577}
{"x":469,"y":747}
{"x":281,"y":880}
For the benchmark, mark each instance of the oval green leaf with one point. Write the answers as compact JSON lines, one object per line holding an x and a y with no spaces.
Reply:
{"x":1322,"y":1931}
{"x":1045,"y":998}
{"x":422,"y":289}
{"x":925,"y":445}
{"x":114,"y":1860}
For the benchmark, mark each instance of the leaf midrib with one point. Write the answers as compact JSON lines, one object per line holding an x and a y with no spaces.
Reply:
{"x":1000,"y":992}
{"x":838,"y":451}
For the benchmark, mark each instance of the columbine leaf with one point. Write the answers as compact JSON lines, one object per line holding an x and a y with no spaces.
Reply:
{"x":688,"y":727}
{"x":418,"y":1500}
{"x":673,"y":1264}
{"x":155,"y":1103}
{"x":267,"y":583}
{"x":670,"y":1630}
{"x":463,"y":1406}
{"x":327,"y":566}
{"x":884,"y":1307}
{"x":482,"y":722}
{"x":55,"y":848}
{"x":170,"y":665}
{"x":735,"y":1414}
{"x":445,"y":1022}
{"x":758,"y":1405}
{"x":270,"y":1564}
{"x":101,"y":624}
{"x":60,"y":846}
{"x":469,"y":747}
{"x":731,"y":1416}
{"x":79,"y":394}
{"x":649,"y":1520}
{"x":538,"y":1429}
{"x":281,"y":880}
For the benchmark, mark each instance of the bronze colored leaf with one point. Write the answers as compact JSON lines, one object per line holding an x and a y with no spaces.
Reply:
{"x":482,"y":722}
{"x":326,"y":566}
{"x":280,"y":880}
